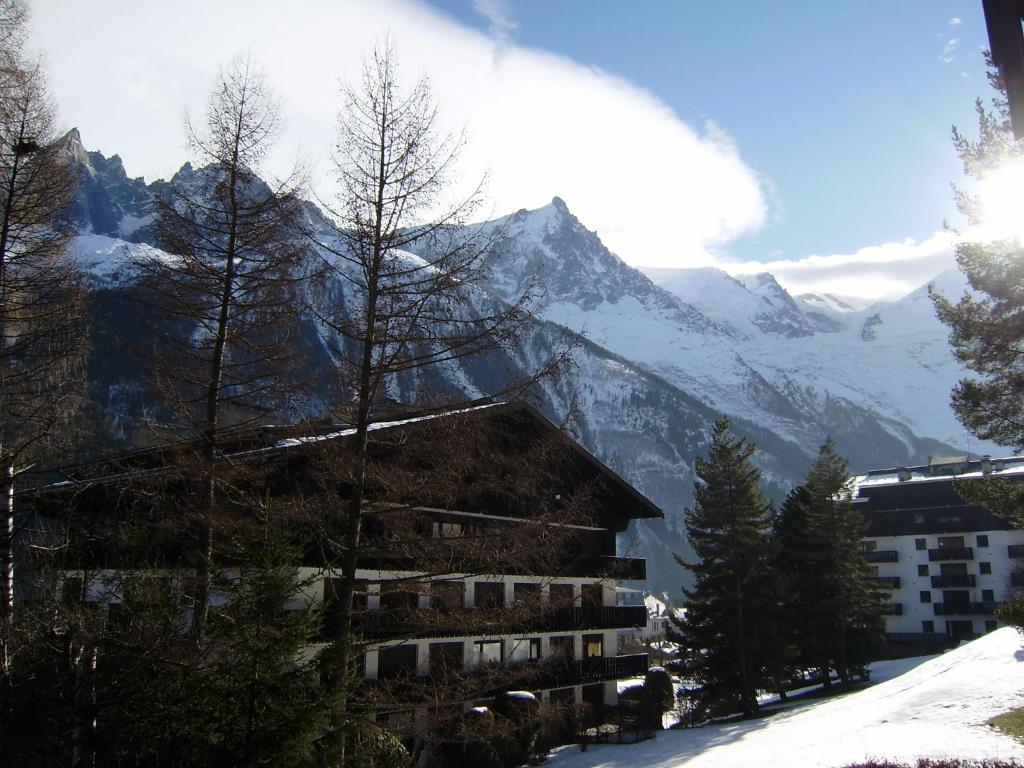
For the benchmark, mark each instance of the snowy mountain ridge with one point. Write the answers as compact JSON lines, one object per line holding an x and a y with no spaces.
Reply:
{"x":656,"y":364}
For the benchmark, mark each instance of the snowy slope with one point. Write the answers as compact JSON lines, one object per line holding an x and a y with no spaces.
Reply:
{"x":936,"y":709}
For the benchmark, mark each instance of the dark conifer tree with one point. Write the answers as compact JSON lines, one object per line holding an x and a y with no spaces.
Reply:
{"x":730,"y":608}
{"x":836,"y":604}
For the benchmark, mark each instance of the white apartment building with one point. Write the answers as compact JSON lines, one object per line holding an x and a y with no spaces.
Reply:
{"x":949,"y":564}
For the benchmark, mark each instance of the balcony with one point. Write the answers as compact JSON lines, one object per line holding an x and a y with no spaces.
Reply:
{"x":555,"y":673}
{"x":954,"y":580}
{"x":892,"y":609}
{"x":1017,"y":579}
{"x":950,"y":553}
{"x":986,"y":608}
{"x":606,"y":566}
{"x":1015,"y":550}
{"x":390,"y":624}
{"x":881,"y":556}
{"x":890,"y":582}
{"x":485,"y":681}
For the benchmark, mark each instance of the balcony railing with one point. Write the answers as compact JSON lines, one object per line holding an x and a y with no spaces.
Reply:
{"x":474,"y":684}
{"x":892,"y":582}
{"x":892,"y":609}
{"x":881,"y":556}
{"x":627,"y":568}
{"x":954,"y":580}
{"x":950,"y":553}
{"x":1015,"y":550}
{"x":986,"y":608}
{"x":384,"y":624}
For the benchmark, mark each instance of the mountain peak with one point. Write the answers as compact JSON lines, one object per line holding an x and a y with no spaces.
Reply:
{"x":559,"y":204}
{"x":71,"y":137}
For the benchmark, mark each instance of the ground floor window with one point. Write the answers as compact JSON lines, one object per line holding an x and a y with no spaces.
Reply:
{"x":488,"y":651}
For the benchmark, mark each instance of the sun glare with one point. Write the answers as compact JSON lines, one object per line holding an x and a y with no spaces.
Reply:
{"x":1001,"y":193}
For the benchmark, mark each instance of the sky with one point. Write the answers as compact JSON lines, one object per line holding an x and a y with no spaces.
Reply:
{"x":810,"y":139}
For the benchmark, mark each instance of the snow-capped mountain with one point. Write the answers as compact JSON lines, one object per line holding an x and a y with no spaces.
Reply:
{"x":657,"y":361}
{"x":745,"y":347}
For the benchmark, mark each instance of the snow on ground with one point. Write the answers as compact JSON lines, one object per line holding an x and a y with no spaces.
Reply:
{"x":931,"y":707}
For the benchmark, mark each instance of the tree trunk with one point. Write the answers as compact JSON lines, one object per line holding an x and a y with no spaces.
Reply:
{"x":7,"y":608}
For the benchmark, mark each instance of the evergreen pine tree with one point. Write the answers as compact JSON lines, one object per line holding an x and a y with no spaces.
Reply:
{"x":840,"y":623}
{"x":729,"y":610}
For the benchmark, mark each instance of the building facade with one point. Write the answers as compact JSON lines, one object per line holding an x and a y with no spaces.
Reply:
{"x":946,"y":564}
{"x":459,"y":595}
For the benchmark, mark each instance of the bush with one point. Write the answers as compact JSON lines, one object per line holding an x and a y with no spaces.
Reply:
{"x":658,"y":696}
{"x":1012,"y":613}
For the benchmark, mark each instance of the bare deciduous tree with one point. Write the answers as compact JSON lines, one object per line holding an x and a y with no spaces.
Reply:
{"x":227,"y":293}
{"x":41,"y":325}
{"x":391,"y":320}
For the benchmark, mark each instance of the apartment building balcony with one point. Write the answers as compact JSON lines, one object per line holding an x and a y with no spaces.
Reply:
{"x":412,"y":623}
{"x":986,"y":608}
{"x":892,"y":582}
{"x":608,"y":566}
{"x":490,"y":679}
{"x":954,"y":580}
{"x":950,"y":553}
{"x":881,"y":556}
{"x":1015,"y":550}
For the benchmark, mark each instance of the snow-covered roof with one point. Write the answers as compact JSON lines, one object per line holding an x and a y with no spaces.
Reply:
{"x":292,"y":442}
{"x":960,"y":468}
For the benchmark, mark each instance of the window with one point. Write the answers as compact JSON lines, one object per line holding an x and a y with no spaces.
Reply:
{"x":593,"y":646}
{"x":446,"y":595}
{"x":488,"y":652}
{"x":534,"y":648}
{"x":951,"y":542}
{"x":445,"y":658}
{"x":990,"y":625}
{"x":987,"y":596}
{"x":927,"y":626}
{"x":399,"y":596}
{"x":982,"y":539}
{"x":926,"y":596}
{"x":919,"y":518}
{"x":562,"y":645}
{"x":488,"y":595}
{"x":920,"y":544}
{"x":984,"y":568}
{"x":868,"y":546}
{"x":526,"y":593}
{"x":446,"y":530}
{"x":922,"y":570}
{"x":560,"y":596}
{"x":396,"y":661}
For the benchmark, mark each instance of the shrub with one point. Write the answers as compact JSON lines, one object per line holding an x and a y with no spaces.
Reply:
{"x":1012,"y":613}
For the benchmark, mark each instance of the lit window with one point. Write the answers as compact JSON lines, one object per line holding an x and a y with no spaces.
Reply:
{"x":488,"y":651}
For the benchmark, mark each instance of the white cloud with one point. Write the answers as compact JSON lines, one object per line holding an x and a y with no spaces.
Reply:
{"x":876,"y":272}
{"x":947,"y":53}
{"x":954,"y":22}
{"x":657,"y":190}
{"x":499,"y":17}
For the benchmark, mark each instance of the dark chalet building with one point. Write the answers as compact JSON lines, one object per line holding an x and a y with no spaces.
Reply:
{"x":488,"y":561}
{"x":948,"y":564}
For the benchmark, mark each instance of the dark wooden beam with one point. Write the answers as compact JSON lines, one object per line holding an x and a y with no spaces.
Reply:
{"x":1006,"y":40}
